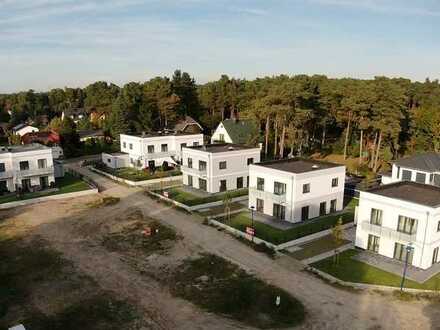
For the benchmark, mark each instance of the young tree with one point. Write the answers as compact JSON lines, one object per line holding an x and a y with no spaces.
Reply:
{"x":338,"y":238}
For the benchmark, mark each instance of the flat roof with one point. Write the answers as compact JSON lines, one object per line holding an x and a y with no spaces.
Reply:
{"x":22,"y":148}
{"x":410,"y":191}
{"x":224,"y":147}
{"x":298,"y":165}
{"x":159,"y":134}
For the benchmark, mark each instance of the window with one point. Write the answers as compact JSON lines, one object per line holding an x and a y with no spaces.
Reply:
{"x":335,"y":182}
{"x":195,"y":144}
{"x":279,"y":188}
{"x":279,"y":211}
{"x":124,"y":144}
{"x":247,"y":181}
{"x":260,"y":205}
{"x":202,"y":184}
{"x":164,"y":147}
{"x":108,"y":160}
{"x":42,"y":163}
{"x":420,"y":177}
{"x":44,"y":182}
{"x":221,"y":137}
{"x":150,"y":149}
{"x":182,"y":145}
{"x":24,"y":165}
{"x":373,"y":243}
{"x":190,"y":163}
{"x":222,"y":165}
{"x":398,"y":171}
{"x":260,"y":184}
{"x":202,"y":165}
{"x":376,"y":217}
{"x":304,"y":213}
{"x":407,"y":225}
{"x":400,"y":253}
{"x":306,"y":188}
{"x":222,"y":185}
{"x":333,"y":203}
{"x":240,"y":182}
{"x":406,"y":175}
{"x":436,"y":180}
{"x":130,"y":146}
{"x":431,"y":178}
{"x":435,"y":256}
{"x":190,"y":180}
{"x":250,"y":161}
{"x":322,"y":208}
{"x":438,"y":226}
{"x":2,"y":167}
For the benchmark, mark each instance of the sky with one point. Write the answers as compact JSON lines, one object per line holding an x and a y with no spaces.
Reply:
{"x":57,"y":43}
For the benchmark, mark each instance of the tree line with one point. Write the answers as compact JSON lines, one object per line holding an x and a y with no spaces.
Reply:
{"x":374,"y":120}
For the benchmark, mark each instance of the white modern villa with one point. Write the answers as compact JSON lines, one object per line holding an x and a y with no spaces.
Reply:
{"x":296,"y":189}
{"x":423,"y":168}
{"x":26,"y":167}
{"x":218,"y":167}
{"x":151,"y":150}
{"x":394,"y":216}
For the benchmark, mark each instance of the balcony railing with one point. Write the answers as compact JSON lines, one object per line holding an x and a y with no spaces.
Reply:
{"x":386,"y":232}
{"x":35,"y":171}
{"x":6,"y":174}
{"x":268,"y":195}
{"x":156,"y":155}
{"x":194,"y":171}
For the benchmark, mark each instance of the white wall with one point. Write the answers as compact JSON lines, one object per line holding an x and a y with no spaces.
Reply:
{"x":427,"y":236}
{"x":26,"y":129}
{"x":218,"y":132}
{"x":396,"y":175}
{"x":115,"y":160}
{"x":236,"y":167}
{"x":320,"y":190}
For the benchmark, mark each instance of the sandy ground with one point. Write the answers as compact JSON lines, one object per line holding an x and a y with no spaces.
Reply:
{"x":73,"y":228}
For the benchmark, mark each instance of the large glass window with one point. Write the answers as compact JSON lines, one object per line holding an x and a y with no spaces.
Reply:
{"x":2,"y":167}
{"x":260,"y":205}
{"x":24,"y":165}
{"x":407,"y":225}
{"x":305,"y":213}
{"x":420,"y":177}
{"x":279,"y":211}
{"x":333,"y":204}
{"x":222,"y":185}
{"x":190,"y":162}
{"x":190,"y":180}
{"x":373,"y":243}
{"x":376,"y":217}
{"x":150,"y":149}
{"x":400,"y":253}
{"x":202,"y":165}
{"x":164,"y":147}
{"x":279,"y":188}
{"x":240,"y":182}
{"x":42,"y":163}
{"x":406,"y":175}
{"x":260,"y":184}
{"x":322,"y":208}
{"x":202,"y":184}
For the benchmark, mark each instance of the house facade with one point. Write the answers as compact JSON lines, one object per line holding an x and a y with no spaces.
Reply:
{"x":236,"y":131}
{"x":152,"y":150}
{"x":218,"y":167}
{"x":424,"y":168}
{"x":393,"y":216}
{"x":27,"y":167}
{"x":296,"y":189}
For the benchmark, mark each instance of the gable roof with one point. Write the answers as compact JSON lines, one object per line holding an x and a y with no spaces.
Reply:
{"x":240,"y":131}
{"x":183,"y":123}
{"x":429,"y":162}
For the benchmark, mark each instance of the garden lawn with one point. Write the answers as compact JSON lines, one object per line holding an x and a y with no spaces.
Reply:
{"x":316,"y":247}
{"x":133,"y":174}
{"x":184,"y":197}
{"x":277,"y":236}
{"x":67,"y":184}
{"x":212,"y":211}
{"x":351,"y":270}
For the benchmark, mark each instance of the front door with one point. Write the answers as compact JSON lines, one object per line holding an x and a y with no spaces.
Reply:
{"x":304,"y":213}
{"x":322,"y":208}
{"x":26,"y":184}
{"x":279,"y":211}
{"x":44,"y":182}
{"x":222,"y":185}
{"x":151,"y":165}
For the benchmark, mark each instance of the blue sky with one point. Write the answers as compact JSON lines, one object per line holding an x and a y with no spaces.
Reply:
{"x":56,"y":43}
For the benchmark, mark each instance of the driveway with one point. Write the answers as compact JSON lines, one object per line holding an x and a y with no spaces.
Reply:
{"x":328,"y":307}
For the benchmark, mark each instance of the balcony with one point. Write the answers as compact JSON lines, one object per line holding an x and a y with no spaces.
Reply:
{"x":279,"y":199}
{"x":6,"y":174}
{"x":194,"y":171}
{"x":156,"y":155}
{"x":35,"y":172}
{"x":386,"y":232}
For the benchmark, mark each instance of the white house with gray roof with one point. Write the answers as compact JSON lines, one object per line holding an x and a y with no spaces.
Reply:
{"x":394,"y":216}
{"x":296,"y":189}
{"x":423,"y":168}
{"x":26,"y":167}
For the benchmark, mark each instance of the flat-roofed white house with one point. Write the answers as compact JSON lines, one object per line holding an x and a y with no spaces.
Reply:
{"x":218,"y":167}
{"x":393,"y":216}
{"x":423,"y":168}
{"x":296,"y":189}
{"x":26,"y":167}
{"x":152,"y":150}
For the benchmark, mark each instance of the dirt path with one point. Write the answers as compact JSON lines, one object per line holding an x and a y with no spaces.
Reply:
{"x":328,"y":307}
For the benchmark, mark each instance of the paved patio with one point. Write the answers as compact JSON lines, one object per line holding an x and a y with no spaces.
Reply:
{"x":396,"y":267}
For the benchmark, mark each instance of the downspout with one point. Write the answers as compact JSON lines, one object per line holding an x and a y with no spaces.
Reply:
{"x":291,"y":200}
{"x":424,"y":238}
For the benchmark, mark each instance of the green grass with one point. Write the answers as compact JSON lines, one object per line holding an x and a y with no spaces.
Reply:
{"x":277,"y":236}
{"x":212,"y":211}
{"x":132,"y":174}
{"x":351,"y":270}
{"x":316,"y":247}
{"x":67,"y":184}
{"x":221,"y":287}
{"x":184,"y":197}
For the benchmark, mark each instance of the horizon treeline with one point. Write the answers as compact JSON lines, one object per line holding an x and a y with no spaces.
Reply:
{"x":380,"y":119}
